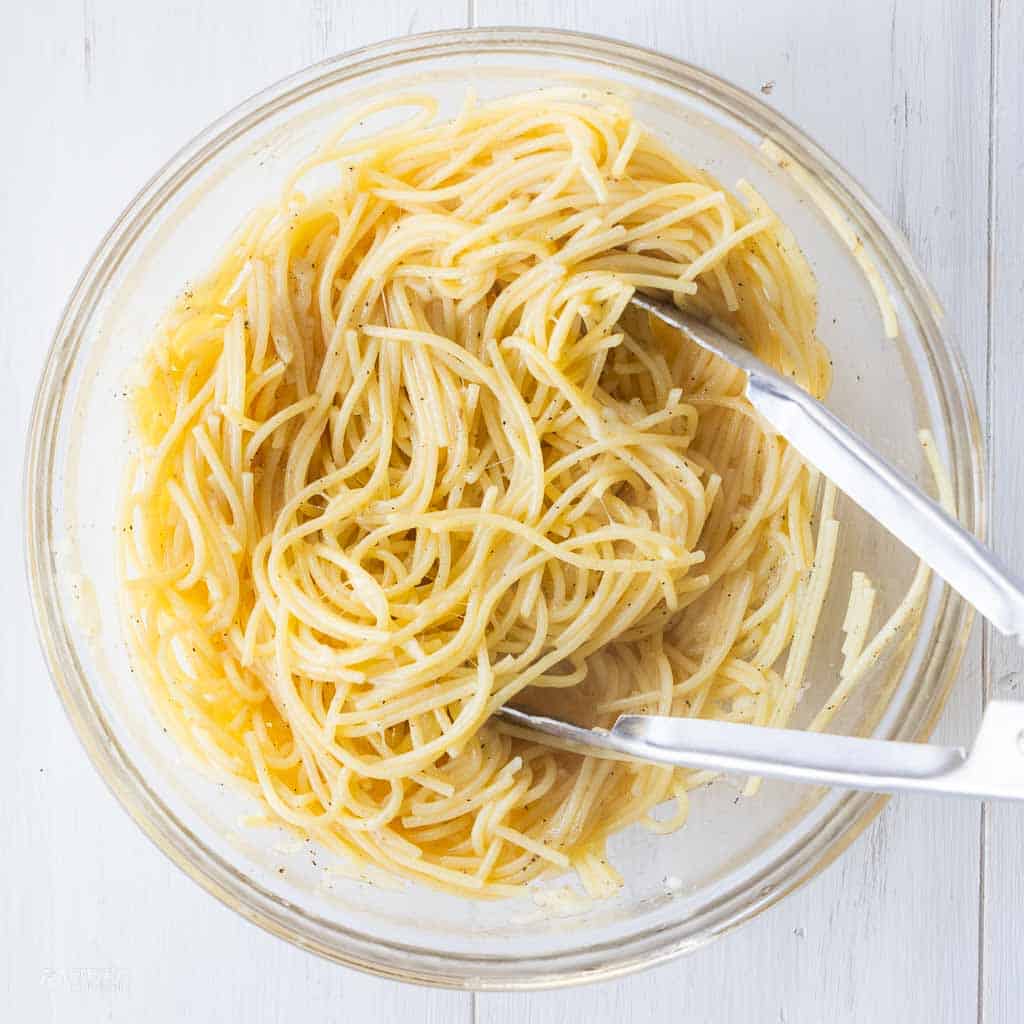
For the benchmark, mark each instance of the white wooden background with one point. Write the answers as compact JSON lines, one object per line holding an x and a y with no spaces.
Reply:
{"x":922,"y":101}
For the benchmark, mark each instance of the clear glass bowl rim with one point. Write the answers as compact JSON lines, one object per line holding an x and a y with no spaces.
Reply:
{"x":852,"y":811}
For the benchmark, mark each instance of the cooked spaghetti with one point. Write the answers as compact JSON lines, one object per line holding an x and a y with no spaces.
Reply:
{"x":406,"y":457}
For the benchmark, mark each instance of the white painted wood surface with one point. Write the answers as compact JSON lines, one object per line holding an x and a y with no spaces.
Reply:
{"x":1002,"y":975}
{"x":920,"y":919}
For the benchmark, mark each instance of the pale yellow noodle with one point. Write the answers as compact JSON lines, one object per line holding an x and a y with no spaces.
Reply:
{"x":407,"y":456}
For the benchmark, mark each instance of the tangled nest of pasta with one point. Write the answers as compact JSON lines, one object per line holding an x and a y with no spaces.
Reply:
{"x":407,"y":457}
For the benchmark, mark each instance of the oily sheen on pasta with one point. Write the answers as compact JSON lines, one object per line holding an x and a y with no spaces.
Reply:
{"x":406,"y":456}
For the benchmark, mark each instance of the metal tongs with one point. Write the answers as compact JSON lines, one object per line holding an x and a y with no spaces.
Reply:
{"x":994,"y":767}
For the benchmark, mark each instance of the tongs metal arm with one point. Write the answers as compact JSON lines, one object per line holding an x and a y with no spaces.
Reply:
{"x":993,"y":769}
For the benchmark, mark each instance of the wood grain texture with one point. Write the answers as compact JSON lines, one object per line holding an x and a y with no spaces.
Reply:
{"x":891,"y":931}
{"x":96,"y":95}
{"x":96,"y":925}
{"x":1003,"y":921}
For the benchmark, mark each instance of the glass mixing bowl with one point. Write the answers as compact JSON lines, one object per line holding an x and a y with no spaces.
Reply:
{"x":732,"y":859}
